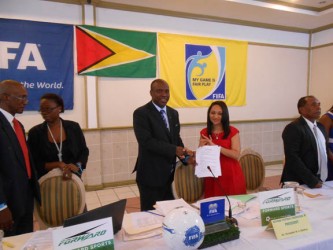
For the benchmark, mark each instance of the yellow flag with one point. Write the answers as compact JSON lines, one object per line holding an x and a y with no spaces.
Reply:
{"x":200,"y":70}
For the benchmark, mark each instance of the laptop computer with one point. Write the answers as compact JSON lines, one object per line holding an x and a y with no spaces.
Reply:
{"x":115,"y":210}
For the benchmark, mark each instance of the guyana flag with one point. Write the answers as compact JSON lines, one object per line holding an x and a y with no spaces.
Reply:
{"x":115,"y":53}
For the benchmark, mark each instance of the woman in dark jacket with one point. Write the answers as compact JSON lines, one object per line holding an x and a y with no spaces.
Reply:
{"x":57,"y":143}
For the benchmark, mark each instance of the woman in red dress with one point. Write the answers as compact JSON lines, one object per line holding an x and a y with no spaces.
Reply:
{"x":219,"y":132}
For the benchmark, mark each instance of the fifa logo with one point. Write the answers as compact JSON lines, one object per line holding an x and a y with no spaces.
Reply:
{"x":193,"y":235}
{"x":28,"y":56}
{"x":205,"y":72}
{"x":213,"y":208}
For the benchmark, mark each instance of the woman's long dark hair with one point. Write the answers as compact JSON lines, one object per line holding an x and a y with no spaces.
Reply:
{"x":225,"y":119}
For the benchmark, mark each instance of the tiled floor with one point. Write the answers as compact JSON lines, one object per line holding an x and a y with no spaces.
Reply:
{"x":99,"y":198}
{"x":273,"y":170}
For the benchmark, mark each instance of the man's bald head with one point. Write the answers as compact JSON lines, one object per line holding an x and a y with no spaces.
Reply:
{"x":13,"y":96}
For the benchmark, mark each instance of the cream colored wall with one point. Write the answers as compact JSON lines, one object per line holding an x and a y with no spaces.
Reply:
{"x":113,"y":152}
{"x":278,"y":75}
{"x":277,"y":64}
{"x":321,"y":77}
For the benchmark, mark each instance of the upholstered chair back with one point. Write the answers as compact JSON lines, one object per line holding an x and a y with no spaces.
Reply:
{"x":186,"y":185}
{"x":253,"y":168}
{"x":61,"y":199}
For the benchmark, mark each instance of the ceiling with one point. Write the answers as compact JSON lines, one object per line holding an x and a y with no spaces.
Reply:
{"x":294,"y":15}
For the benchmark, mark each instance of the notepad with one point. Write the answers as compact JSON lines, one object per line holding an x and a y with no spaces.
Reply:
{"x":141,"y":225}
{"x":139,"y":222}
{"x":164,"y":207}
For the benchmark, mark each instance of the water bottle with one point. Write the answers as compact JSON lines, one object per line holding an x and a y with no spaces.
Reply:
{"x":294,"y":185}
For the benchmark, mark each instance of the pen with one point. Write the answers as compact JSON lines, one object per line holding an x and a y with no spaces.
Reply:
{"x":8,"y":244}
{"x":154,"y":213}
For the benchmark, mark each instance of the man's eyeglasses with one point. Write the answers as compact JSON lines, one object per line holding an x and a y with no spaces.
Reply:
{"x":23,"y":98}
{"x":47,"y":110}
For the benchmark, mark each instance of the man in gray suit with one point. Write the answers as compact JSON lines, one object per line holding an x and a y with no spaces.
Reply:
{"x":157,"y":131}
{"x":303,"y":140}
{"x":18,"y":182}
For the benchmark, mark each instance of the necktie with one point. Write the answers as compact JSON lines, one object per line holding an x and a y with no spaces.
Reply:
{"x":322,"y":158}
{"x":164,"y":118}
{"x":21,"y":138}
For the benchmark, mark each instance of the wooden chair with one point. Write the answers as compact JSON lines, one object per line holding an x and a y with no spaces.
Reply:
{"x":254,"y":171}
{"x":186,"y":185}
{"x":61,"y":199}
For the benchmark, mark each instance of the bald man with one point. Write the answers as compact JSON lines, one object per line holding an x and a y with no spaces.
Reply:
{"x":305,"y":146}
{"x":18,"y":182}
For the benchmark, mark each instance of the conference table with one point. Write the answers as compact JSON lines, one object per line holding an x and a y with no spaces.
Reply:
{"x":319,"y":211}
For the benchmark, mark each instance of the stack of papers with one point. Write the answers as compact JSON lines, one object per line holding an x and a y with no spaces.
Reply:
{"x":147,"y":224}
{"x":40,"y":240}
{"x":142,"y":225}
{"x":164,"y":207}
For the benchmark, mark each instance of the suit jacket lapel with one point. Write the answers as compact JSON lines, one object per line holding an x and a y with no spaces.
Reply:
{"x":12,"y":138}
{"x":310,"y":133}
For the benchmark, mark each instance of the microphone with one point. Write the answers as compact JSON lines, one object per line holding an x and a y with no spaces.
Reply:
{"x":230,"y":218}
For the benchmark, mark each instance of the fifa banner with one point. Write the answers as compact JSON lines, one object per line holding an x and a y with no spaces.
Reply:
{"x":115,"y":53}
{"x":40,"y":56}
{"x":200,"y":70}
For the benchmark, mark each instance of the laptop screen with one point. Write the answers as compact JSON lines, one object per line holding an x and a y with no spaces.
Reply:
{"x":115,"y":210}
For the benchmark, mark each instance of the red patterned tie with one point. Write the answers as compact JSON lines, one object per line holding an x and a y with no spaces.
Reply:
{"x":21,"y":137}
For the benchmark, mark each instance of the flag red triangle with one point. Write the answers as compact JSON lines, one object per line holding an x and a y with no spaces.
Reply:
{"x":89,"y":50}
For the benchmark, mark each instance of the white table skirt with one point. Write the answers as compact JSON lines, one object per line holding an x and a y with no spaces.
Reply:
{"x":252,"y":235}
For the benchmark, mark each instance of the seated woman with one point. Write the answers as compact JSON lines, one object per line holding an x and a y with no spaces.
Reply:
{"x":57,"y":143}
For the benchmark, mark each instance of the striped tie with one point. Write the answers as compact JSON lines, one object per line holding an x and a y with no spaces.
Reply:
{"x":164,"y":118}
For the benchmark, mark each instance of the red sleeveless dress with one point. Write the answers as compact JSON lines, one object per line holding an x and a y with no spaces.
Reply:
{"x":232,"y":181}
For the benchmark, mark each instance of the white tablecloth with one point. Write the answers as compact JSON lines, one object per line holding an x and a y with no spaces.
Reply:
{"x":252,"y":235}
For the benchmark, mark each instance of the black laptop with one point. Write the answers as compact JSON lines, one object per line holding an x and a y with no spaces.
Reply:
{"x":115,"y":210}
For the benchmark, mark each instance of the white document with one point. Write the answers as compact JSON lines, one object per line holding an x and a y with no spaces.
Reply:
{"x":143,"y":235}
{"x":164,"y":207}
{"x":139,"y":222}
{"x":40,"y":240}
{"x":208,"y":156}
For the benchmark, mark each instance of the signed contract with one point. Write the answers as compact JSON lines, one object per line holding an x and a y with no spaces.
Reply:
{"x":208,"y":156}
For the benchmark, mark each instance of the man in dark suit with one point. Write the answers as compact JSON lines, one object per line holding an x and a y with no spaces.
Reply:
{"x":158,"y":136}
{"x":303,"y":156}
{"x":18,"y":182}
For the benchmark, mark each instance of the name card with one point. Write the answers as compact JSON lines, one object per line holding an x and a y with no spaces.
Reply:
{"x":290,"y":226}
{"x":97,"y":234}
{"x":212,"y":211}
{"x":276,"y":204}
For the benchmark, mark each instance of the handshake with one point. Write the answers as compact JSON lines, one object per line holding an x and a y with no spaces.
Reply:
{"x":186,"y":156}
